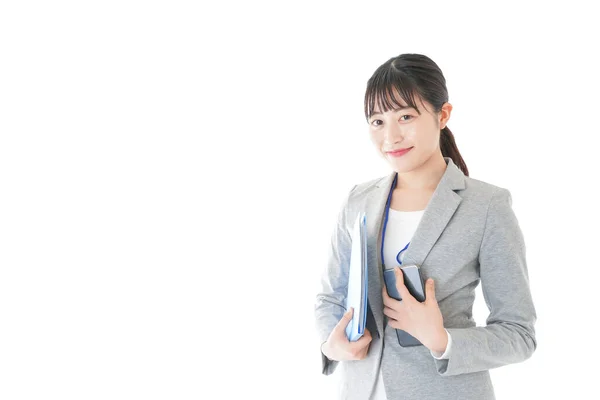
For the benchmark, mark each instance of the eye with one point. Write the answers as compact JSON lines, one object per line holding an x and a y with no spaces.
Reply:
{"x":375,"y":120}
{"x":409,"y":116}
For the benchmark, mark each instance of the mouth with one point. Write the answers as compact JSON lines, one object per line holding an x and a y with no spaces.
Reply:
{"x":399,"y":152}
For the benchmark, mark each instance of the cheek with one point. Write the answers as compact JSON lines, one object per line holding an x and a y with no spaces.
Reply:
{"x":413,"y":138}
{"x":425,"y":139}
{"x":375,"y":138}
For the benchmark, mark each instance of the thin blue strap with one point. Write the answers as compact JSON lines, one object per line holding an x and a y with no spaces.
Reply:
{"x":385,"y":219}
{"x":400,"y":252}
{"x":387,"y":212}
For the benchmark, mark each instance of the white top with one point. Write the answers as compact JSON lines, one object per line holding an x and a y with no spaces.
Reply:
{"x":401,"y":227}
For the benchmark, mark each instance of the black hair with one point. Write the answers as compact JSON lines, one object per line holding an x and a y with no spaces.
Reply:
{"x":412,"y":74}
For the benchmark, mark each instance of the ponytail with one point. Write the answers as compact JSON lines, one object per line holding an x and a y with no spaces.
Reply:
{"x":449,"y":149}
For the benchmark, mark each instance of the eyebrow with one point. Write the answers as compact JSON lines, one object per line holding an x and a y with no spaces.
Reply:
{"x":393,"y":109}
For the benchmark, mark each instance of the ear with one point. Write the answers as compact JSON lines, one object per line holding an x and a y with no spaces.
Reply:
{"x":445,"y":115}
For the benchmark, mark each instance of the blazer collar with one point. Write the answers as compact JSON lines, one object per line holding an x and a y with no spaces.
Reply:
{"x":440,"y":208}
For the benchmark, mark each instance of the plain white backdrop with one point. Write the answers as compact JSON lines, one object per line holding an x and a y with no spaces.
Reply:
{"x":162,"y":169}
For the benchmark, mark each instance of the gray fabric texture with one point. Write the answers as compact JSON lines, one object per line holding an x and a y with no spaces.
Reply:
{"x":469,"y":234}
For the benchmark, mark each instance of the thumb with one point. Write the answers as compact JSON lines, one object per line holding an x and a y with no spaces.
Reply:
{"x":430,"y":291}
{"x":346,"y":318}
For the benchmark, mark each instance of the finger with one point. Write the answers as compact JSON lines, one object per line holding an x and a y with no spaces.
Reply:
{"x":384,"y":293}
{"x":363,"y":353}
{"x":390,"y":312}
{"x":359,"y":354}
{"x":393,"y":317}
{"x":402,"y":289}
{"x":430,"y":292}
{"x":343,"y":323}
{"x":365,"y":338}
{"x":386,"y":297}
{"x":360,"y":343}
{"x":387,"y":300}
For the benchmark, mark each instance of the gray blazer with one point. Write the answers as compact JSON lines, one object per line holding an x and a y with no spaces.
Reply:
{"x":467,"y":233}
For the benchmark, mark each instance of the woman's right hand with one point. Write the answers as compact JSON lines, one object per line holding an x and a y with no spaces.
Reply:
{"x":339,"y":348}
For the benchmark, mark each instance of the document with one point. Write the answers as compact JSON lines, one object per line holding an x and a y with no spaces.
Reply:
{"x":358,"y":279}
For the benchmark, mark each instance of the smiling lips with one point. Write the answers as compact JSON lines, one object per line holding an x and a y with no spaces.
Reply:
{"x":398,"y":153}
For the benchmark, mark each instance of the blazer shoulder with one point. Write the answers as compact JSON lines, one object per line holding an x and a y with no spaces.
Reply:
{"x":480,"y":193}
{"x":365,"y":187}
{"x":482,"y":188}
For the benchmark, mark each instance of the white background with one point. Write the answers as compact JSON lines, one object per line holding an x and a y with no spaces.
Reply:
{"x":163,"y":165}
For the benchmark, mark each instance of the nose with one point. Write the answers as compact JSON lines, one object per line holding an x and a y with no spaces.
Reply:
{"x":392,"y":133}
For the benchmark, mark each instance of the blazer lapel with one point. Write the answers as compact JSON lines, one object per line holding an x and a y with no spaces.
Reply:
{"x":442,"y":205}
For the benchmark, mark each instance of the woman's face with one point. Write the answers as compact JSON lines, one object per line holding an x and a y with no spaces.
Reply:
{"x":405,"y":128}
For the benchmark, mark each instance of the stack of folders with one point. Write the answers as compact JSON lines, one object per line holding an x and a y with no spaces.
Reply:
{"x":358,"y":279}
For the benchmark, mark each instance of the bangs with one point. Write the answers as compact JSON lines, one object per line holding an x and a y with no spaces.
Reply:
{"x":383,"y":89}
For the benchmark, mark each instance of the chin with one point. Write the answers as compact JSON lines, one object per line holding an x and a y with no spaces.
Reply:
{"x":404,"y":165}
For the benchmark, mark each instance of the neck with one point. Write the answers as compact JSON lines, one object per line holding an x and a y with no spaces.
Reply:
{"x":425,"y":176}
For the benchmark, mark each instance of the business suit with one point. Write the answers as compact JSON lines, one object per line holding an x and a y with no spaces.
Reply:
{"x":468,"y":233}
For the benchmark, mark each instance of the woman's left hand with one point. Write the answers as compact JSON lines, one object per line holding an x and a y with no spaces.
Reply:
{"x":424,"y":320}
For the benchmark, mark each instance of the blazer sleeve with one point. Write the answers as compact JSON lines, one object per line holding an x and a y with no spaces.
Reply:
{"x":509,"y":334}
{"x":330,"y":301}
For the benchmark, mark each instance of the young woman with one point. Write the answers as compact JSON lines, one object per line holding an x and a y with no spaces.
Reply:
{"x":458,"y":230}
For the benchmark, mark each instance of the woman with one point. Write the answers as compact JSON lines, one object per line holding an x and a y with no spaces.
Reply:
{"x":458,"y":230}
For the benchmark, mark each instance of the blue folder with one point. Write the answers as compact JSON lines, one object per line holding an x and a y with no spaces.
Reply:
{"x":358,"y":279}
